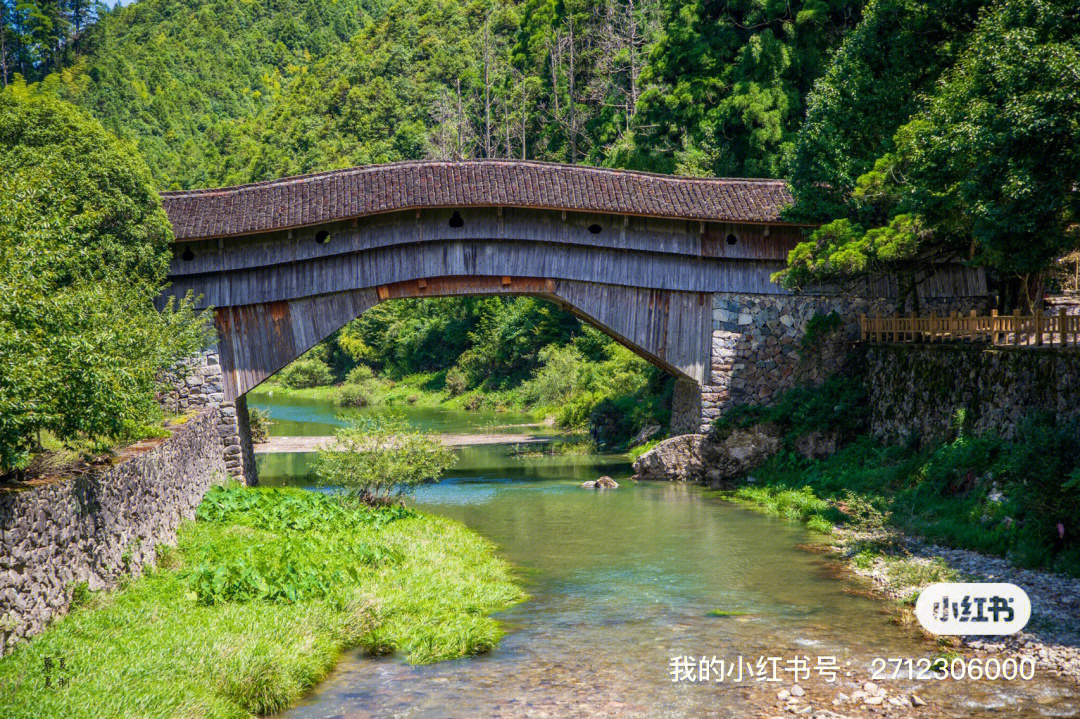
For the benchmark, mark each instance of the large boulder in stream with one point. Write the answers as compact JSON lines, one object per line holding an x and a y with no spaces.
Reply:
{"x":704,"y":458}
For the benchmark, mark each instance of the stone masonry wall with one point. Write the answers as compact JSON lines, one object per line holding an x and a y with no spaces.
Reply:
{"x":199,"y":384}
{"x":757,"y":348}
{"x":685,"y":408}
{"x":95,"y":528}
{"x":915,"y":390}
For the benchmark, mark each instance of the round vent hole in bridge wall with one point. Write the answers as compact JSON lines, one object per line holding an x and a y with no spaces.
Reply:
{"x":322,"y":237}
{"x":188,"y":255}
{"x":595,"y":229}
{"x":732,"y":239}
{"x":456,"y":221}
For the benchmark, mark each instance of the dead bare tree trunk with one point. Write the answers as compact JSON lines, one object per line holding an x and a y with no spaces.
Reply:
{"x":487,"y":88}
{"x":570,"y":96}
{"x":460,"y":123}
{"x":3,"y":43}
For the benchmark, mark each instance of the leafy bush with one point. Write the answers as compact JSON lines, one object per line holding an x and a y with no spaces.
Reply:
{"x":306,"y":373}
{"x":275,"y":509}
{"x":456,"y":381}
{"x":576,"y":411}
{"x":354,"y":395}
{"x":290,"y":570}
{"x":84,"y":252}
{"x":608,"y":423}
{"x":557,"y":377}
{"x":360,"y":374}
{"x":635,"y":452}
{"x":374,"y":458}
{"x":837,"y":405}
{"x":259,"y":424}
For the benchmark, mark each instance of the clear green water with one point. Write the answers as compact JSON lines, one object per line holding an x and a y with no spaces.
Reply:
{"x":620,"y":582}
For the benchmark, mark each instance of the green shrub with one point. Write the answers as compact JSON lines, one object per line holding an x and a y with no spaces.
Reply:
{"x":290,"y":570}
{"x":609,"y":423}
{"x":259,"y":423}
{"x":354,"y":395}
{"x":374,"y":458}
{"x":837,"y":405}
{"x":84,"y":253}
{"x":456,"y":381}
{"x":306,"y":373}
{"x":360,"y":374}
{"x":635,"y":452}
{"x":575,"y":413}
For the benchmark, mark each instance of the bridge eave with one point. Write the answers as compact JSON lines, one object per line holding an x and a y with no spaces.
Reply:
{"x":474,"y":206}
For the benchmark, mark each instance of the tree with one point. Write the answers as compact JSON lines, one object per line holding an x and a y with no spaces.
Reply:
{"x":377,"y":457}
{"x":880,"y":76}
{"x":725,"y":82}
{"x":986,"y":173}
{"x":84,"y":252}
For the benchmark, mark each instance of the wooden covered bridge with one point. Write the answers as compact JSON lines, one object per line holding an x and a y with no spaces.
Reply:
{"x":675,"y":268}
{"x":285,"y":263}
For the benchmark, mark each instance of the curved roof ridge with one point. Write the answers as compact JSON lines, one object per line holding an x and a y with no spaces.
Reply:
{"x":374,"y":189}
{"x":290,"y":179}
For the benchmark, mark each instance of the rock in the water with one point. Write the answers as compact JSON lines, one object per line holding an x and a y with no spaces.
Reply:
{"x":645,"y":435}
{"x":602,"y":483}
{"x":701,"y":458}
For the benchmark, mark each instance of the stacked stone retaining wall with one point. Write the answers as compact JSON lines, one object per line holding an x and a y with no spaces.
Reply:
{"x":916,"y":390}
{"x":97,"y":527}
{"x":758,"y":348}
{"x":198,"y":383}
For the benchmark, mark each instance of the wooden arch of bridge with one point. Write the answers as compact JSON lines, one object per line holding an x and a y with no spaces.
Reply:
{"x":286,"y":263}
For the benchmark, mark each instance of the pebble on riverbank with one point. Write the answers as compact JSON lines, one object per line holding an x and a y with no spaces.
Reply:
{"x":1052,"y":635}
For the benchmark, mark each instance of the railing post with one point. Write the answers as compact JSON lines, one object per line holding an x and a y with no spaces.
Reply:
{"x":972,"y":319}
{"x":862,"y":326}
{"x":1063,"y":319}
{"x":932,"y":326}
{"x":1016,"y":327}
{"x":877,"y":326}
{"x":1038,"y":327}
{"x":993,"y":327}
{"x":911,"y":326}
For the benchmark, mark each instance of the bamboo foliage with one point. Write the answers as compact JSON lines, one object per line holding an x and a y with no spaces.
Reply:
{"x":1037,"y":330}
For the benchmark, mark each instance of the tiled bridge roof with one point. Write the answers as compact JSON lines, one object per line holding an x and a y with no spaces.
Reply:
{"x":344,"y":194}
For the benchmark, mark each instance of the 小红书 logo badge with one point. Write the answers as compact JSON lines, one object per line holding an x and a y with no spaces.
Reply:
{"x":973,"y":608}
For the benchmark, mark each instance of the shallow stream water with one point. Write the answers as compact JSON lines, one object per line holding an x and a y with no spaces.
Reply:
{"x":622,"y":581}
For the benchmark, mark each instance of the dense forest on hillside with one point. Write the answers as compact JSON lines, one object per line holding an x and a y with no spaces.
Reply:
{"x":912,"y":129}
{"x":226,"y":91}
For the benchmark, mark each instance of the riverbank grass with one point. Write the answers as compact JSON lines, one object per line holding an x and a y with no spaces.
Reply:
{"x":255,"y":603}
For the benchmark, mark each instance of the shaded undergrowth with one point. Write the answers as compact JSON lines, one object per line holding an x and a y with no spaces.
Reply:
{"x":1016,"y":498}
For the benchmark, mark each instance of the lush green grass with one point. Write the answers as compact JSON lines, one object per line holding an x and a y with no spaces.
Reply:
{"x":985,"y":494}
{"x":635,"y":452}
{"x":254,"y":605}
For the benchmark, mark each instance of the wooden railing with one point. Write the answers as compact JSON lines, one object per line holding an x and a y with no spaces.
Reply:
{"x":1037,"y":330}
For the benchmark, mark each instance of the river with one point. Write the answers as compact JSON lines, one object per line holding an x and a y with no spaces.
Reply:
{"x":623,"y":581}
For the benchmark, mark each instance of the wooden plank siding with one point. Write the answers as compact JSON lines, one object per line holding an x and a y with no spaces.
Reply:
{"x":645,"y":280}
{"x":486,"y":224}
{"x":670,"y":329}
